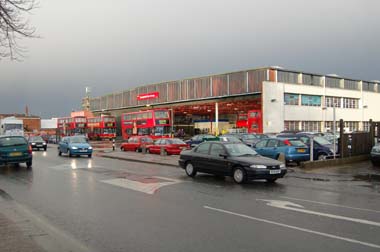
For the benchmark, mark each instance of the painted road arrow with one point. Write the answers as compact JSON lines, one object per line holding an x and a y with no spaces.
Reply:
{"x":298,"y":208}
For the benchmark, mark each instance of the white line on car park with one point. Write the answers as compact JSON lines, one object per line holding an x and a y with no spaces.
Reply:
{"x":330,"y":204}
{"x":298,"y":208}
{"x":372,"y":245}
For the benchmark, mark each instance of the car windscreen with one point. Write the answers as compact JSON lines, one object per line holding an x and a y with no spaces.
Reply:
{"x":321,"y":140}
{"x":78,"y":140}
{"x":297,"y":143}
{"x":230,"y":139}
{"x":240,"y":150}
{"x":12,"y":141}
{"x":36,"y":139}
{"x":176,"y":141}
{"x":249,"y":137}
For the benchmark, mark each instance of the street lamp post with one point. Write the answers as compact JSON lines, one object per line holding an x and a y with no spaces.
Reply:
{"x":334,"y":129}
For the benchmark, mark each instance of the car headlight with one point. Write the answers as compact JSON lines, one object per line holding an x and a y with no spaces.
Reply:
{"x":282,"y":166}
{"x":33,"y":143}
{"x":74,"y":148}
{"x":258,"y":166}
{"x":44,"y":143}
{"x":90,"y":148}
{"x":376,"y":149}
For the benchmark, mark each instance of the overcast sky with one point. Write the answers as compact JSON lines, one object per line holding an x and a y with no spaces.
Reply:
{"x":118,"y":44}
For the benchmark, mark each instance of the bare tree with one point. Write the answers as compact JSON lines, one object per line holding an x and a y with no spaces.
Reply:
{"x":14,"y":25}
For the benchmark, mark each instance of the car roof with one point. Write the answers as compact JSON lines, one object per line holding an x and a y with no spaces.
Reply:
{"x":6,"y":136}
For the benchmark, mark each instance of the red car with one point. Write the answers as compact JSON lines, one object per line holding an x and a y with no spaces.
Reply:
{"x":171,"y":146}
{"x":136,"y":143}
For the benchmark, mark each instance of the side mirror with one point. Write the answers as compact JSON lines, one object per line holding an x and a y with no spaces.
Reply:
{"x":223,"y":155}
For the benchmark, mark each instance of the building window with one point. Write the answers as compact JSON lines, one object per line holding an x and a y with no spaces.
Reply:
{"x":332,"y":82}
{"x":287,"y":77}
{"x":350,"y":103}
{"x":311,"y":100}
{"x":311,"y":126}
{"x":291,"y":125}
{"x":291,"y":99}
{"x":330,"y":101}
{"x":351,"y":84}
{"x":366,"y":126}
{"x":351,"y":126}
{"x":329,"y":126}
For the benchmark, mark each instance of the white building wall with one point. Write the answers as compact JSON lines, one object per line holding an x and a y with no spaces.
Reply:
{"x":275,"y":112}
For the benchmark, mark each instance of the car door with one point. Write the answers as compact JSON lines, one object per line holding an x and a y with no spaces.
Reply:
{"x":131,"y":143}
{"x":217,"y":160}
{"x":261,"y":147}
{"x":201,"y":159}
{"x":155,"y":148}
{"x":65,"y":145}
{"x":271,"y":149}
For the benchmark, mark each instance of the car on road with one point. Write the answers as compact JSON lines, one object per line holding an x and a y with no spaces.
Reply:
{"x":170,"y":146}
{"x":237,"y":160}
{"x":136,"y":143}
{"x":197,"y":139}
{"x":293,"y":149}
{"x":229,"y":138}
{"x":15,"y":150}
{"x":75,"y":146}
{"x":375,"y":155}
{"x":37,"y":142}
{"x":52,"y":139}
{"x":322,"y":148}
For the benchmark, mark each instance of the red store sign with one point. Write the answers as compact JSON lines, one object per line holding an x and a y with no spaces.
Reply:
{"x":148,"y":96}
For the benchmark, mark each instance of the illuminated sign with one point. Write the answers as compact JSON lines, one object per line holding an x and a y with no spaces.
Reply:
{"x":109,"y":124}
{"x":148,"y":96}
{"x":162,"y":121}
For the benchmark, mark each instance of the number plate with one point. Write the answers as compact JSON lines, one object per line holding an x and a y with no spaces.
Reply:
{"x":82,"y":150}
{"x":301,"y":150}
{"x":274,"y":171}
{"x":15,"y":154}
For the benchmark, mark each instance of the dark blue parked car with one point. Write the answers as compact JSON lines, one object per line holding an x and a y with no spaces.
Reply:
{"x":75,"y":146}
{"x":322,"y":148}
{"x":294,"y":149}
{"x":197,"y":139}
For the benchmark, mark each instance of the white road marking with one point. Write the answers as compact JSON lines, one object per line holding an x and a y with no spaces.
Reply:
{"x":291,"y":206}
{"x":372,"y":245}
{"x":330,"y":204}
{"x":149,"y":188}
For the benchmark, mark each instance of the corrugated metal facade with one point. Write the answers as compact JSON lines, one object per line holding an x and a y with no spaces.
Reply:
{"x":222,"y":85}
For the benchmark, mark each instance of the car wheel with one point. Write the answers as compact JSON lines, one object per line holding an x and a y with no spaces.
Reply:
{"x":45,"y":148}
{"x":59,"y":152}
{"x":165,"y":152}
{"x":121,"y":148}
{"x":322,"y":156}
{"x":17,"y":165}
{"x":239,"y":175}
{"x":137,"y":150}
{"x":89,"y":155}
{"x":147,"y":151}
{"x":272,"y":180}
{"x":190,"y":170}
{"x":29,"y":164}
{"x":69,"y":153}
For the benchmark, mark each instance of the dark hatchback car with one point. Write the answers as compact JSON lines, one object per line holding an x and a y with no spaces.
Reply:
{"x":375,"y":155}
{"x":237,"y":160}
{"x":15,"y":150}
{"x":37,"y":142}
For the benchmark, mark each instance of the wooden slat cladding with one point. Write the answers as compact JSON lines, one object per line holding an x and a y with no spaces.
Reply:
{"x":162,"y":89}
{"x":118,"y":99}
{"x":184,"y":90}
{"x":202,"y":87}
{"x":255,"y":80}
{"x":238,"y":83}
{"x":133,"y":97}
{"x":191,"y":89}
{"x":103,"y":102}
{"x":173,"y":91}
{"x":126,"y":100}
{"x":110,"y":101}
{"x":95,"y":104}
{"x":219,"y":85}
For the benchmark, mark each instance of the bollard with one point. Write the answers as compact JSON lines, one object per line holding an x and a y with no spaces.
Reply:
{"x":311,"y":149}
{"x":143,"y":149}
{"x":162,"y":151}
{"x":113,"y":144}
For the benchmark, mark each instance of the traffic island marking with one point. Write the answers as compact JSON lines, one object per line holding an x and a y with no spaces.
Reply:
{"x":145,"y":184}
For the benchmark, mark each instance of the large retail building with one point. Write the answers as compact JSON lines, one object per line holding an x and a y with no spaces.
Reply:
{"x":288,"y":100}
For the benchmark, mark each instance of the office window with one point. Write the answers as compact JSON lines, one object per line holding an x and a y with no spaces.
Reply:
{"x":311,"y":100}
{"x":330,"y":100}
{"x":311,"y":126}
{"x":291,"y":125}
{"x":350,"y":103}
{"x":291,"y":99}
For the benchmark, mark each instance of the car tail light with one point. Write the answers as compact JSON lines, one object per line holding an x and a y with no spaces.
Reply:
{"x":287,"y":142}
{"x":30,"y":150}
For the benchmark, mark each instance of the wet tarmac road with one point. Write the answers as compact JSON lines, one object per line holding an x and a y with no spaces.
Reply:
{"x":112,"y":205}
